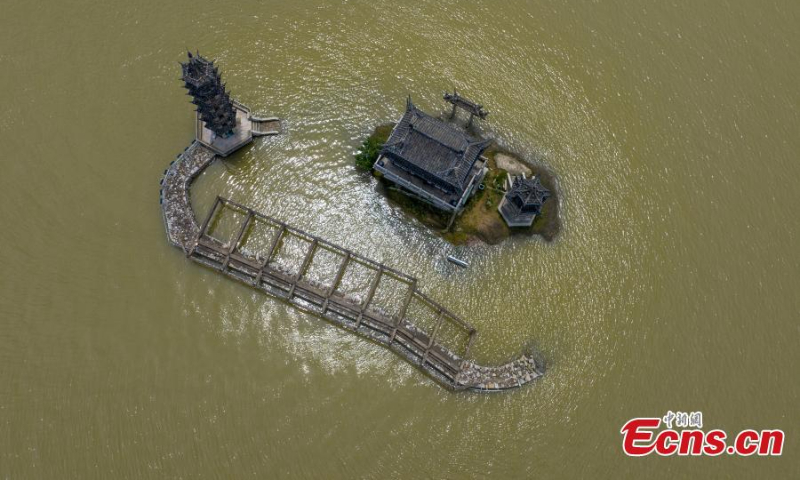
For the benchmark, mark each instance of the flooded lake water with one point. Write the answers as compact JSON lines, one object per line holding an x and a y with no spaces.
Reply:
{"x":673,"y":129}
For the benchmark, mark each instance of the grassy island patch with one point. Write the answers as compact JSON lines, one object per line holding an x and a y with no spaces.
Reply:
{"x":480,"y":220}
{"x":371,"y":148}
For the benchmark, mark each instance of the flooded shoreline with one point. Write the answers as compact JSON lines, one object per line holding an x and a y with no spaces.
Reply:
{"x":479,"y":221}
{"x":123,"y":359}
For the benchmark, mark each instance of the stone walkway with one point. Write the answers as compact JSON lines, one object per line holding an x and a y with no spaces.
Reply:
{"x":183,"y":232}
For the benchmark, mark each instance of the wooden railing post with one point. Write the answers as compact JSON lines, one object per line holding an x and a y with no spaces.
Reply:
{"x":203,"y":228}
{"x":402,"y":314}
{"x":272,"y":248}
{"x":304,"y":266}
{"x":238,"y":239}
{"x":335,"y":284}
{"x":275,"y":240}
{"x":472,"y":334}
{"x":433,"y":337}
{"x":370,"y":294}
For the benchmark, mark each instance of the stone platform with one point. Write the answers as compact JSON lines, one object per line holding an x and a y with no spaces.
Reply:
{"x":246,"y":128}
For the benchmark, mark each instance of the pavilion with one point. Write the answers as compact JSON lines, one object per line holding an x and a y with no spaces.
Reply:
{"x":433,"y":160}
{"x":523,"y":201}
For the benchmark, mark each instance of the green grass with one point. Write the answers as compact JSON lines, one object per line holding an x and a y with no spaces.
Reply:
{"x":371,"y":147}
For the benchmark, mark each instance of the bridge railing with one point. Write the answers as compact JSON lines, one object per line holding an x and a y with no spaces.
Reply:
{"x":378,"y":290}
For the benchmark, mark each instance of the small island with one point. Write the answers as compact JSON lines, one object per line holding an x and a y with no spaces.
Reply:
{"x":500,"y":194}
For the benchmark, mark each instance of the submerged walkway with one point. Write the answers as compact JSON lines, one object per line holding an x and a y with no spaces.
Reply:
{"x":400,"y":327}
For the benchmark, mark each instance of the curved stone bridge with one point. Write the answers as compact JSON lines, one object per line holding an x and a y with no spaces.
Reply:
{"x":400,"y":325}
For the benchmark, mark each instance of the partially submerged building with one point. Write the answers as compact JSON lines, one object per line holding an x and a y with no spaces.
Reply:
{"x":523,"y":201}
{"x":432,"y":160}
{"x":214,"y":105}
{"x":223,"y":124}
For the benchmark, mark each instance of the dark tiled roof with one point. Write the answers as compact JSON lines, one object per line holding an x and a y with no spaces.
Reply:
{"x":446,"y":153}
{"x":525,"y":196}
{"x":199,"y":71}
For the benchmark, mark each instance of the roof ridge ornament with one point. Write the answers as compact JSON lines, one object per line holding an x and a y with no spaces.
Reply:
{"x":409,"y":103}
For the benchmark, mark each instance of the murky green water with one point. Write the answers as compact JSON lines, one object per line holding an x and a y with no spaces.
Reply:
{"x":673,"y":129}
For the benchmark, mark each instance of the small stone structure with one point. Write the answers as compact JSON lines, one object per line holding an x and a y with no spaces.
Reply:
{"x":246,"y":128}
{"x":223,"y":124}
{"x":474,"y":109}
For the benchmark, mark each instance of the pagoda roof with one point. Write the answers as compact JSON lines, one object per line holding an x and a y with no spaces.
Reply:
{"x":198,"y":70}
{"x":523,"y":201}
{"x":446,"y":152}
{"x":528,"y":191}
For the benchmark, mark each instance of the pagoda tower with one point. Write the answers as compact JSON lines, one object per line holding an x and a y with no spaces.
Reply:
{"x":208,"y":93}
